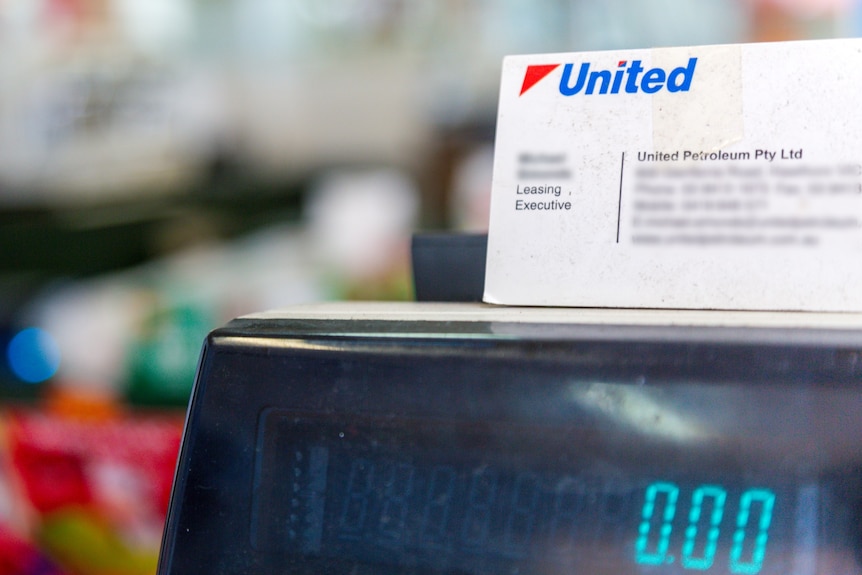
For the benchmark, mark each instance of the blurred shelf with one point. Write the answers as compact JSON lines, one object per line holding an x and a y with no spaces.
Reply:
{"x":38,"y":243}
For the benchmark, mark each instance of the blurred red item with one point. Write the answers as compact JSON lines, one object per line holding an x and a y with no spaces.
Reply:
{"x":64,"y":8}
{"x":121,"y":466}
{"x":18,"y":557}
{"x":51,"y":479}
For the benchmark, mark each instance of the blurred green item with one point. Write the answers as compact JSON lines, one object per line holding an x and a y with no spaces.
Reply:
{"x":164,"y":358}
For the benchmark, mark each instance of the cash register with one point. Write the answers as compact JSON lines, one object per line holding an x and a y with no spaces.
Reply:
{"x":465,"y":438}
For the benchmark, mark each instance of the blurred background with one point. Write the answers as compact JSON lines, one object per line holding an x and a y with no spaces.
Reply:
{"x":167,"y":165}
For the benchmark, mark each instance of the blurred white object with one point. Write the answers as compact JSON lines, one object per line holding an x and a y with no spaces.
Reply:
{"x":156,"y":25}
{"x":93,"y":324}
{"x":471,"y":190}
{"x":361,"y":220}
{"x":103,"y":129}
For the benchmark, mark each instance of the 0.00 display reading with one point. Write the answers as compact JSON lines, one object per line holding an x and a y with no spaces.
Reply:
{"x":360,"y":495}
{"x":485,"y":511}
{"x":659,"y":509}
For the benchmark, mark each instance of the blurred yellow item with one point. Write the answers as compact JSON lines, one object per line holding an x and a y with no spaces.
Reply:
{"x":83,"y":544}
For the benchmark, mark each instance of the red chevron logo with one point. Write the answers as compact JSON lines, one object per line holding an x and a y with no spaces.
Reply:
{"x":534,"y":74}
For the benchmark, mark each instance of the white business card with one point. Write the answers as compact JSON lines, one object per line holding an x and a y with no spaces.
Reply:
{"x":711,"y":177}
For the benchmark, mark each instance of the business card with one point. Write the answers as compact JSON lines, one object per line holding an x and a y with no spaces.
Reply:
{"x":710,"y":177}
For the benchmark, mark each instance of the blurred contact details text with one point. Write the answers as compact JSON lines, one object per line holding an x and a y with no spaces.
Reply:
{"x":712,"y":177}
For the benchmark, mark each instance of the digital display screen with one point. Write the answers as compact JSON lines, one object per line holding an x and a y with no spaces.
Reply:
{"x":498,"y":497}
{"x":447,"y":448}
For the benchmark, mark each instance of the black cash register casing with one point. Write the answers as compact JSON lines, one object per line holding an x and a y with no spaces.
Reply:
{"x":471,"y":439}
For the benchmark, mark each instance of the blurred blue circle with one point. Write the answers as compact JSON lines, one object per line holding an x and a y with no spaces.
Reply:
{"x":34,"y":355}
